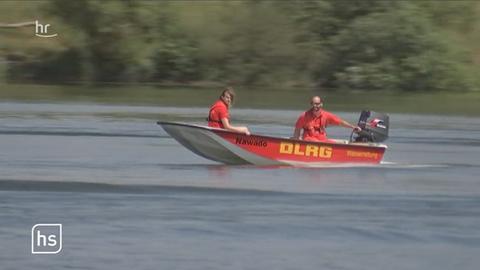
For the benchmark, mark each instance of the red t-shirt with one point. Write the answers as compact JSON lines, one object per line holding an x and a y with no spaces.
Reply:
{"x":218,"y":111}
{"x":314,"y":126}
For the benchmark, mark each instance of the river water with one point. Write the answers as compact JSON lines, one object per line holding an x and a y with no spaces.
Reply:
{"x":130,"y":197}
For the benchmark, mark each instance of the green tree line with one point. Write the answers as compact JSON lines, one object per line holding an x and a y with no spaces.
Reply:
{"x":355,"y":44}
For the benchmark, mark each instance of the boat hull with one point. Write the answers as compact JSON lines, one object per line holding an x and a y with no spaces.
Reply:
{"x":235,"y":148}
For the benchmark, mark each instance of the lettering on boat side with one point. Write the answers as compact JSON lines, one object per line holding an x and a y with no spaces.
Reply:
{"x":307,"y":150}
{"x":362,"y":154}
{"x":251,"y":141}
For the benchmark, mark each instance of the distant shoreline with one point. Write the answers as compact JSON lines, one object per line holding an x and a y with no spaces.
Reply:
{"x":439,"y":103}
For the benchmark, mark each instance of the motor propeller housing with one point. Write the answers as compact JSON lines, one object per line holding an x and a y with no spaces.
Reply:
{"x":374,"y":127}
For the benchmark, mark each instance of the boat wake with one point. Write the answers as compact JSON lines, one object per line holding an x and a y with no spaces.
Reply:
{"x":395,"y":165}
{"x":93,"y":187}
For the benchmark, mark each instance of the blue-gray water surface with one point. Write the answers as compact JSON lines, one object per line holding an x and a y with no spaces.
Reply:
{"x":130,"y":197}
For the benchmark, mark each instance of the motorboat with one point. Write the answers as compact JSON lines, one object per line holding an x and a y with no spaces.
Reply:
{"x":239,"y":149}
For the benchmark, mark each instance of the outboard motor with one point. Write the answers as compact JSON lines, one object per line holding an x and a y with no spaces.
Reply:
{"x":374,"y":127}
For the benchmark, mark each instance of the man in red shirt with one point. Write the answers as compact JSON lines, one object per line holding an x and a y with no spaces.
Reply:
{"x":218,"y":117}
{"x":314,"y":121}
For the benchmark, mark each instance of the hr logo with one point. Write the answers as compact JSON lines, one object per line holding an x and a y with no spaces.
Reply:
{"x":46,"y":238}
{"x":42,"y":30}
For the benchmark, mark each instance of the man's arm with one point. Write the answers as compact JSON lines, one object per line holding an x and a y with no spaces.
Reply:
{"x":296,"y":133}
{"x":227,"y":126}
{"x":346,"y":124}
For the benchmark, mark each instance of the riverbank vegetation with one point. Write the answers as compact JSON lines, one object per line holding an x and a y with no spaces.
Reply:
{"x":357,"y":44}
{"x":439,"y":103}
